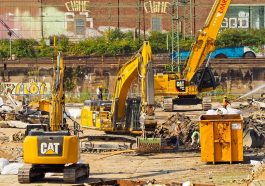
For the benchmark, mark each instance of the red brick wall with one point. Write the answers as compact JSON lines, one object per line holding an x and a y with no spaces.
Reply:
{"x":25,"y":16}
{"x":22,"y":16}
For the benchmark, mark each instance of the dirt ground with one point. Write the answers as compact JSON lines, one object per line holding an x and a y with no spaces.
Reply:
{"x":165,"y":168}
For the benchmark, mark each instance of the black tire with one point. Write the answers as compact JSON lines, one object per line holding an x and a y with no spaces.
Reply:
{"x":249,"y":54}
{"x":221,"y":56}
{"x":88,"y":171}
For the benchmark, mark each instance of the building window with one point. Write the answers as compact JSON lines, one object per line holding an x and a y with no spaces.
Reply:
{"x":156,"y":24}
{"x":80,"y":26}
{"x":257,"y":17}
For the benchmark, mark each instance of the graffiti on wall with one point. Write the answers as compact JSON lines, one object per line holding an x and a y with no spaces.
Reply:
{"x":156,"y":7}
{"x":30,"y":88}
{"x":77,"y":6}
{"x":242,"y":21}
{"x":78,"y":9}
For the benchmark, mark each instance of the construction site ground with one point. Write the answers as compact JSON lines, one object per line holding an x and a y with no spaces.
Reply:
{"x":180,"y":166}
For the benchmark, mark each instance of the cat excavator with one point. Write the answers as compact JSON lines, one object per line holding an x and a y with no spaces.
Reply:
{"x":182,"y":88}
{"x":126,"y":116}
{"x":52,"y":148}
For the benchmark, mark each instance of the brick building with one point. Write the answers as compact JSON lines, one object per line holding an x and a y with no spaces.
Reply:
{"x":79,"y":19}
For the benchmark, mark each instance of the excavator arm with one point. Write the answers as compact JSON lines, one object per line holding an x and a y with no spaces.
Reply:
{"x":57,"y":103}
{"x":205,"y":42}
{"x":136,"y":66}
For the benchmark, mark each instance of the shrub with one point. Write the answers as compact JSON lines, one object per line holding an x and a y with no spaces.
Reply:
{"x":158,"y":42}
{"x":4,"y":48}
{"x":115,"y":42}
{"x":24,"y":47}
{"x":239,"y":37}
{"x":43,"y":50}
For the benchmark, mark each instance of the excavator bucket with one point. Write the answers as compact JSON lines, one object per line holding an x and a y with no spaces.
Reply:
{"x":148,"y":145}
{"x":253,"y":138}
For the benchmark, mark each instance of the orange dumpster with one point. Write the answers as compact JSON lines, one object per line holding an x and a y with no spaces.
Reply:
{"x":221,"y":138}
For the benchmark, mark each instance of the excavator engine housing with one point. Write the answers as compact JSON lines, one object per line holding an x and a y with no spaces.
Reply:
{"x":51,"y":148}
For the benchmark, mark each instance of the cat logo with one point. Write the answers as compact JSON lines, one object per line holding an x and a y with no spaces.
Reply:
{"x":49,"y":148}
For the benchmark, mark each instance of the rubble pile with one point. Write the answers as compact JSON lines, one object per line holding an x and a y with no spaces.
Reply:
{"x":14,"y":153}
{"x":13,"y":124}
{"x":185,"y":124}
{"x":3,"y":138}
{"x":254,"y":129}
{"x":18,"y":137}
{"x":256,"y":120}
{"x":14,"y":110}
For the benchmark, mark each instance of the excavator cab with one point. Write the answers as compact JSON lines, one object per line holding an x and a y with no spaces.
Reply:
{"x":205,"y":80}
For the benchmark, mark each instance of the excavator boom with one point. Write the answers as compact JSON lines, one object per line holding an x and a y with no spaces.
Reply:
{"x":205,"y":42}
{"x":57,"y":103}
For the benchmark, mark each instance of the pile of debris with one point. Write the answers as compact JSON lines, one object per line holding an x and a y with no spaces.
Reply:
{"x":13,"y":124}
{"x":12,"y":109}
{"x":254,"y":129}
{"x":167,"y":130}
{"x":256,"y":119}
{"x":18,"y":137}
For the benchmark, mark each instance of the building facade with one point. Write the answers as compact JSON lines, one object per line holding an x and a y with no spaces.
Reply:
{"x":79,"y":19}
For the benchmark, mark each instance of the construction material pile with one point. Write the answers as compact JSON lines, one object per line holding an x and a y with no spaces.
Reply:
{"x":184,"y":124}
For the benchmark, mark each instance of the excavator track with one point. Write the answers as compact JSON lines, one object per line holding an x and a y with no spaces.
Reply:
{"x":75,"y":172}
{"x":71,"y":174}
{"x":28,"y":174}
{"x":106,"y":143}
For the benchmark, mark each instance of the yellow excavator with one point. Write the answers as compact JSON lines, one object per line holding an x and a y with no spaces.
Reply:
{"x":132,"y":116}
{"x":52,"y":148}
{"x":183,"y":88}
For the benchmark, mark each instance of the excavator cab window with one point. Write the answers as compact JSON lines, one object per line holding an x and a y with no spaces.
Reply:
{"x":204,"y":79}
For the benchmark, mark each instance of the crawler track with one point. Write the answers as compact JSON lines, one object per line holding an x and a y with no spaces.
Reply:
{"x":75,"y":172}
{"x":106,"y":143}
{"x":71,"y":174}
{"x":28,"y":174}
